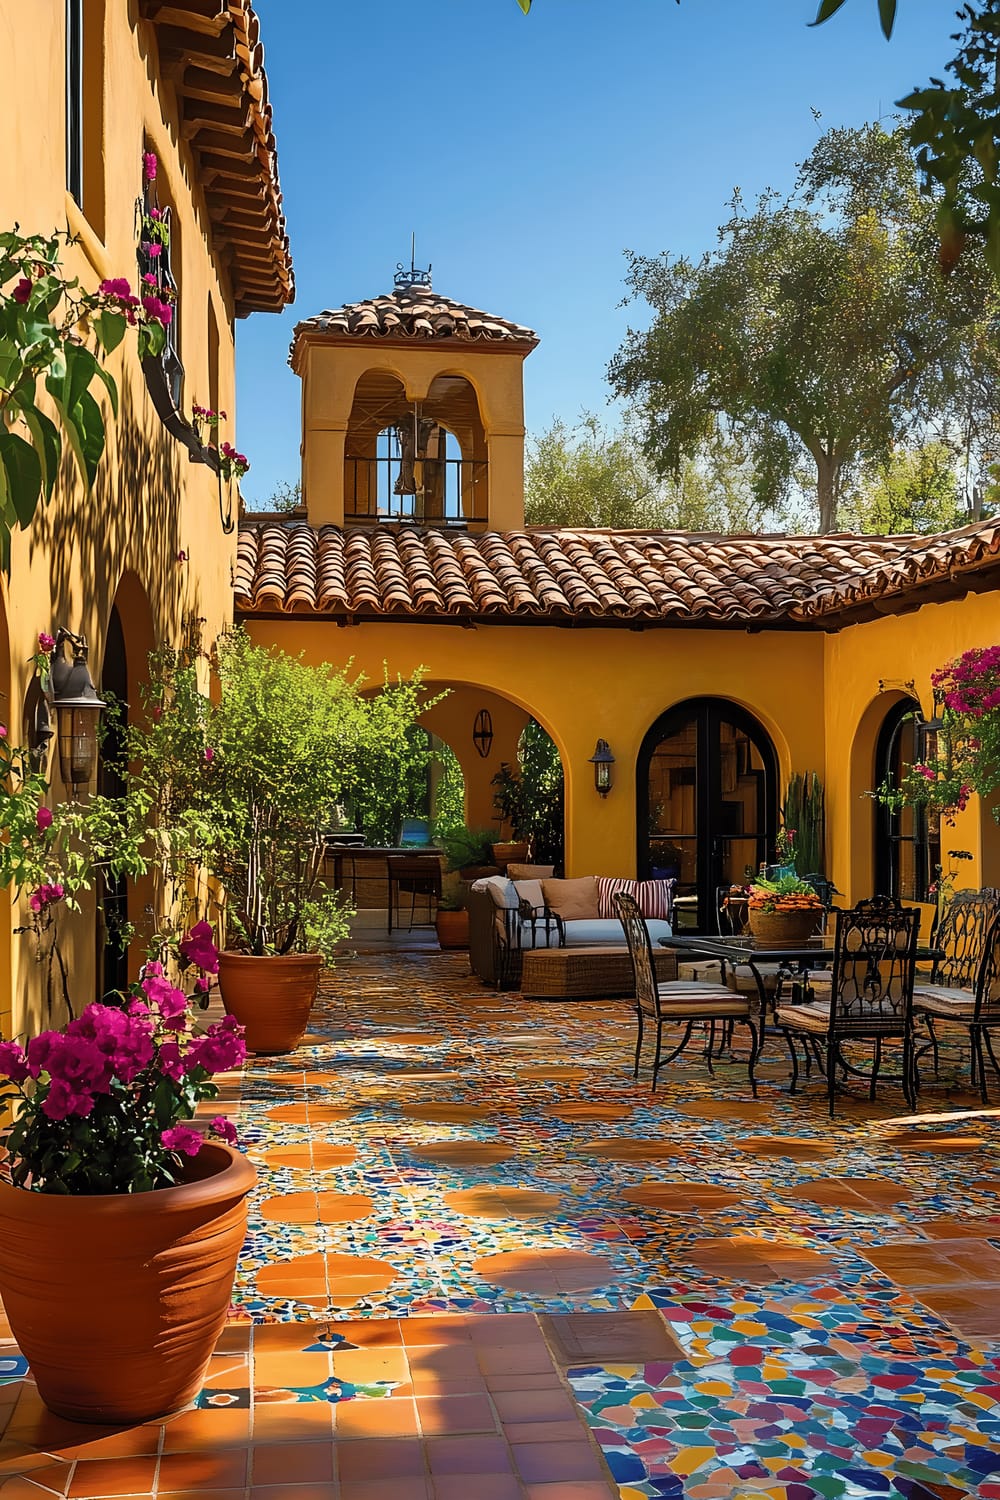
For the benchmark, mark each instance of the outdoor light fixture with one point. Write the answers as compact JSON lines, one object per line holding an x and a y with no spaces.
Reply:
{"x":482,"y":732}
{"x":78,"y":710}
{"x":602,"y":760}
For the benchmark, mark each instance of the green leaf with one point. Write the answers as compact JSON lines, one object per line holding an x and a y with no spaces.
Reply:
{"x":48,"y":445}
{"x":23,"y":470}
{"x":152,"y":340}
{"x":525,"y":5}
{"x":887,"y":15}
{"x":827,"y":9}
{"x":110,"y":329}
{"x":85,"y":430}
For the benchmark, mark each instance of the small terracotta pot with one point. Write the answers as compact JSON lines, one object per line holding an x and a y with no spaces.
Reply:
{"x":271,"y":997}
{"x":784,"y":929}
{"x":452,"y":928}
{"x":510,"y":854}
{"x":116,"y":1301}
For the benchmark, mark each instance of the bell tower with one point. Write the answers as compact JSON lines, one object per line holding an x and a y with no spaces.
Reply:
{"x":412,"y":412}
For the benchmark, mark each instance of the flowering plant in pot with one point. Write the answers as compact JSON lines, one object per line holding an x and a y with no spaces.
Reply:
{"x":103,"y":1159}
{"x":784,"y":910}
{"x":243,"y":781}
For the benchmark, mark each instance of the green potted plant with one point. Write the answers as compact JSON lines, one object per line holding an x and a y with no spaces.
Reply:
{"x":452,"y":918}
{"x":783,"y":912}
{"x":242,"y":781}
{"x":468,"y":850}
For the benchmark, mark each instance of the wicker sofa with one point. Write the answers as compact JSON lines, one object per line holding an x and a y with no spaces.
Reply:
{"x":510,"y":918}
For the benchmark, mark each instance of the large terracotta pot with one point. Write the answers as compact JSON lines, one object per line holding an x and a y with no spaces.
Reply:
{"x":116,"y":1301}
{"x":452,"y":928}
{"x":784,"y":929}
{"x":271,"y":997}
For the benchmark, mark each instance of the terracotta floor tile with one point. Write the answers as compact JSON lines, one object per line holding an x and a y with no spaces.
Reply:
{"x":372,"y":1333}
{"x":113,"y":1476}
{"x":546,"y":1270}
{"x":128,"y":1442}
{"x":534,"y":1406}
{"x":504,"y":1202}
{"x":502,"y":1380}
{"x":571,"y":1430}
{"x":52,"y":1479}
{"x":390,"y":1417}
{"x":193,"y":1431}
{"x":440,"y":1415}
{"x":514,"y":1359}
{"x":373,"y":1458}
{"x":503,"y":1328}
{"x":198,"y":1471}
{"x":292,"y":1421}
{"x":268,"y":1338}
{"x":290,"y":1369}
{"x":416,"y":1488}
{"x":681,"y":1197}
{"x":539,"y":1463}
{"x":234,"y":1338}
{"x":463,"y":1153}
{"x":319,"y":1491}
{"x":229,"y":1494}
{"x":366,"y":1366}
{"x":477,"y":1487}
{"x":468,"y":1455}
{"x":446,"y":1362}
{"x":292,"y":1463}
{"x":316,"y":1208}
{"x":610,"y":1338}
{"x":317,"y":1157}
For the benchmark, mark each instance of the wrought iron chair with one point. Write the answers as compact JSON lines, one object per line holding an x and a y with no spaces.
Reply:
{"x":960,"y":936}
{"x":686,"y":1003}
{"x":951,"y":991}
{"x":871,"y":996}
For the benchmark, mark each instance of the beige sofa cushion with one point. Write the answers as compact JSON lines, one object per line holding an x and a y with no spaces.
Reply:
{"x":573,"y":900}
{"x":530,"y":872}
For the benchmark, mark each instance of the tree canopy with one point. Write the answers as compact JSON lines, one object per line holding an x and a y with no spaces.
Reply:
{"x":819,"y":328}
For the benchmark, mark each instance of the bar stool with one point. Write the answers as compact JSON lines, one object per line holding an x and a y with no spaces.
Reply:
{"x":413,"y":875}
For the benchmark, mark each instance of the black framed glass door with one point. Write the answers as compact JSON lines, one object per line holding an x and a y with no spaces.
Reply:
{"x":707,"y":803}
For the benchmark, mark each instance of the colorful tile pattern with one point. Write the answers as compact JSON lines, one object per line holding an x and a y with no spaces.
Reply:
{"x":444,"y":1164}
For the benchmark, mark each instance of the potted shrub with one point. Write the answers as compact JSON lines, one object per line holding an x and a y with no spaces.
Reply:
{"x":121,"y":1223}
{"x":468,"y":850}
{"x":243,"y":782}
{"x":452,"y":919}
{"x":783,"y":912}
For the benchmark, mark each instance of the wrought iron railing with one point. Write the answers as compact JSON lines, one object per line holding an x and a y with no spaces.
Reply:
{"x":445,"y":491}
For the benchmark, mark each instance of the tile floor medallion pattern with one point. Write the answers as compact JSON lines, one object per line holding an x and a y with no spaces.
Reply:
{"x":490,"y":1265}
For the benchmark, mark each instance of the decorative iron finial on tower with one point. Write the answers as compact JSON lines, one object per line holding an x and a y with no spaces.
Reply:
{"x":405,"y":279}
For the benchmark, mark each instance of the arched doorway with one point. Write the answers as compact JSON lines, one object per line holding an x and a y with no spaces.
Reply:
{"x":907,"y":839}
{"x":707,"y":799}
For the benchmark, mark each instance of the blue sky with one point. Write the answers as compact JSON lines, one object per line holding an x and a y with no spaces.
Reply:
{"x":528,"y":152}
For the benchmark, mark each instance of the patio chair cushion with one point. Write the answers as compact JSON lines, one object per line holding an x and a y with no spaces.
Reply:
{"x":574,"y":900}
{"x":608,"y":931}
{"x":701,"y":969}
{"x":718,"y":1007}
{"x":938,"y":1000}
{"x":530,"y":872}
{"x":814,"y":1018}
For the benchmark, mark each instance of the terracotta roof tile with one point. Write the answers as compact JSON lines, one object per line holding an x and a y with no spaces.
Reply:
{"x":411,"y":314}
{"x":602,"y":577}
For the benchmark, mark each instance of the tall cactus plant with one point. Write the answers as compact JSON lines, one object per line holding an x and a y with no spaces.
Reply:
{"x":803,"y":811}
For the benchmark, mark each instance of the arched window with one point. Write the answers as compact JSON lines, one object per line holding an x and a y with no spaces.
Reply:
{"x":907,"y":840}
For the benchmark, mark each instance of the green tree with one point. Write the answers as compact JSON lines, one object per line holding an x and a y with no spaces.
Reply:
{"x":914,"y":490}
{"x":820,"y":329}
{"x":593,"y":476}
{"x":530,"y":796}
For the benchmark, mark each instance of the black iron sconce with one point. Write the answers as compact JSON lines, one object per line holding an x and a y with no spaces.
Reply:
{"x":77,"y":709}
{"x":602,"y":760}
{"x":482,"y":732}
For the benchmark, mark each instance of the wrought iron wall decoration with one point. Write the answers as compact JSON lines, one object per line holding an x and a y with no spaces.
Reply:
{"x":482,"y":733}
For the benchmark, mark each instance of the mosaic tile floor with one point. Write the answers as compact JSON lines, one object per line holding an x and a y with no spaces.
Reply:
{"x":468,"y":1213}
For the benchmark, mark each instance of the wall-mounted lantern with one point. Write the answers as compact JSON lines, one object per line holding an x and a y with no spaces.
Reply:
{"x":602,"y":760}
{"x":78,"y":711}
{"x":482,"y":732}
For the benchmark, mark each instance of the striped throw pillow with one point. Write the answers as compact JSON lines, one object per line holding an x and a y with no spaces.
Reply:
{"x":654,"y":898}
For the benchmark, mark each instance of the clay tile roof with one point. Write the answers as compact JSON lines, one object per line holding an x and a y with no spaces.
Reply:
{"x":410,"y":314}
{"x":212,"y":52}
{"x":547,"y":576}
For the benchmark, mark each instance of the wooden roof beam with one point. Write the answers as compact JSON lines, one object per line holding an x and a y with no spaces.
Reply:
{"x":206,"y":16}
{"x":198,"y":115}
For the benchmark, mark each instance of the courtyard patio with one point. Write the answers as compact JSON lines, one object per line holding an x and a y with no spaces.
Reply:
{"x":483,"y":1263}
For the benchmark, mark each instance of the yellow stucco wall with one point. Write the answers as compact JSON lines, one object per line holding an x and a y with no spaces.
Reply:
{"x":150,"y":503}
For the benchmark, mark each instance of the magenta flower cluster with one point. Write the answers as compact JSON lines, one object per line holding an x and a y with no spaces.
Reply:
{"x":139,"y":1066}
{"x":47,"y":895}
{"x":971,"y":683}
{"x":234,"y":462}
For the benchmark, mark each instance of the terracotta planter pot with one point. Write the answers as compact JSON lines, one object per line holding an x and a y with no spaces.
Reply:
{"x":117,"y":1301}
{"x":510,"y":854}
{"x":452,"y":928}
{"x":271,"y":997}
{"x":784,"y":929}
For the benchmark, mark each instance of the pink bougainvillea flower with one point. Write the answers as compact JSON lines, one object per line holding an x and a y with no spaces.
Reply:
{"x":151,"y":248}
{"x":43,"y":817}
{"x":199,"y":948}
{"x":220,"y":1048}
{"x":169,"y":1000}
{"x":223,"y":1128}
{"x":63,"y":1100}
{"x":116,"y":286}
{"x":182,"y":556}
{"x":22,"y":291}
{"x":149,"y":165}
{"x":45,"y":896}
{"x":209,"y":755}
{"x":3,"y":731}
{"x":183,"y":1139}
{"x":172,"y":1061}
{"x":46,"y":642}
{"x":203,"y":986}
{"x":160,"y":312}
{"x":13,"y":1062}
